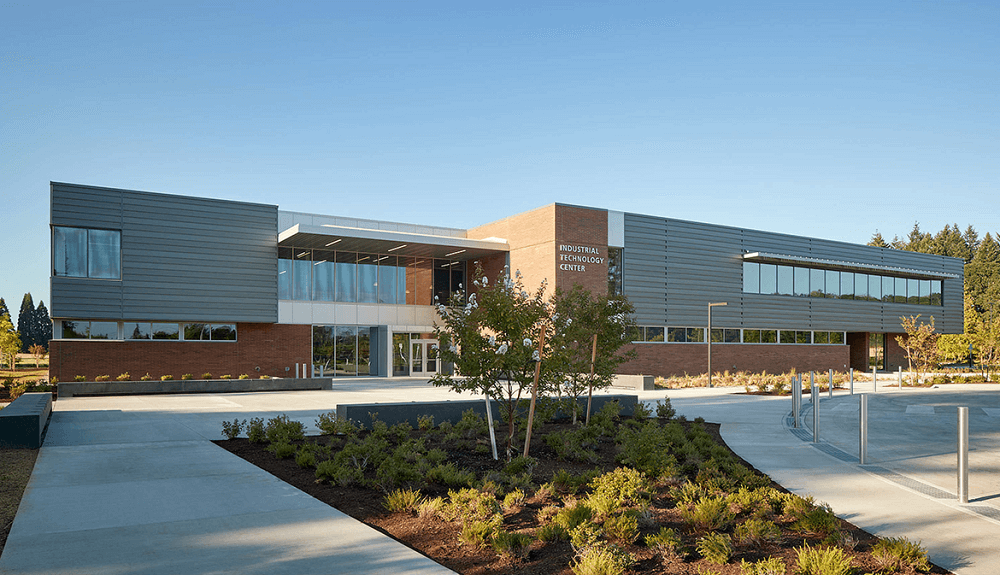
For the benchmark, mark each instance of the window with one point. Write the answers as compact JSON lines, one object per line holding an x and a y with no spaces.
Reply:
{"x":196,"y":332}
{"x":75,"y":329}
{"x":732,"y":336}
{"x":768,"y":336}
{"x":861,"y":286}
{"x":832,"y":283}
{"x":676,"y":334}
{"x":284,"y":273}
{"x":768,"y":279}
{"x":347,"y":280}
{"x":786,"y":336}
{"x":912,"y":291}
{"x":103,"y":330}
{"x":802,"y":282}
{"x":223,"y":332}
{"x":837,"y":337}
{"x":387,"y":279}
{"x":654,"y":334}
{"x":86,"y":253}
{"x":900,"y":290}
{"x":846,"y":285}
{"x":874,"y":288}
{"x":695,"y":334}
{"x":935,"y":297}
{"x":888,"y":289}
{"x":785,"y":280}
{"x":166,"y":331}
{"x":367,"y":278}
{"x":773,"y":279}
{"x":803,"y":337}
{"x":751,"y":336}
{"x":821,"y":337}
{"x":301,"y":274}
{"x":817,"y":283}
{"x":615,"y":261}
{"x":137,"y":330}
{"x":751,"y":277}
{"x":324,"y":285}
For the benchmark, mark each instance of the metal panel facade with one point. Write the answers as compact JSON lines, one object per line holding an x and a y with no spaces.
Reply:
{"x":674,"y":268}
{"x":183,"y":258}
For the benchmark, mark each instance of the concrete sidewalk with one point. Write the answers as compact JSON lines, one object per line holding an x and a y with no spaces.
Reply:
{"x":906,"y":489}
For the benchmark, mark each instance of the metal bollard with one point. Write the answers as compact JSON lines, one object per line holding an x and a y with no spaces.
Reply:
{"x":863,"y":431}
{"x":296,"y":370}
{"x":963,"y":454}
{"x":850,"y":373}
{"x":796,"y":391}
{"x":831,"y":384}
{"x":815,"y":402}
{"x":874,"y":379}
{"x":899,"y":378}
{"x":812,"y":384}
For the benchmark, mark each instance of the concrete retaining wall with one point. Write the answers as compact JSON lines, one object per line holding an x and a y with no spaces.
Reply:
{"x":84,"y":388}
{"x":393,"y":413}
{"x":23,"y":421}
{"x":637,"y":382}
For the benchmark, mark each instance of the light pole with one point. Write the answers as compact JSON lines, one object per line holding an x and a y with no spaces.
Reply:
{"x":708,"y":338}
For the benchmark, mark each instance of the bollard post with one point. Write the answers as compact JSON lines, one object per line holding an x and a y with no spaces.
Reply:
{"x":863,"y":431}
{"x":850,"y":373}
{"x":874,"y":380}
{"x":812,"y":384}
{"x":296,"y":370}
{"x":815,"y":402}
{"x":795,"y":402}
{"x":963,"y":454}
{"x":899,"y":378}
{"x":831,"y":384}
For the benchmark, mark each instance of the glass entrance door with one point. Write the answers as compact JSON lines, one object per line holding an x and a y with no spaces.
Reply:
{"x":423,"y":357}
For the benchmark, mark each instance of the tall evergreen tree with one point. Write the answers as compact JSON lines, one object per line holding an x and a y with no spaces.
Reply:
{"x":26,"y":323}
{"x":3,"y":308}
{"x":43,"y":325}
{"x":918,"y":241}
{"x":982,"y":274}
{"x":878,"y":241}
{"x":971,"y":238}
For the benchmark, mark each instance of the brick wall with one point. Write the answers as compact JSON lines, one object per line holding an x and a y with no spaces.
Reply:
{"x":272,"y":347}
{"x":895,"y":355}
{"x":858,"y":342}
{"x":678,"y":359}
{"x":582,"y":227}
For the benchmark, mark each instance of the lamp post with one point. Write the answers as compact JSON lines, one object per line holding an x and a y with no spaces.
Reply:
{"x":708,"y":338}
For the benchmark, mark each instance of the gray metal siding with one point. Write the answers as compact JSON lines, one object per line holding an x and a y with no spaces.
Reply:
{"x":183,"y":259}
{"x":674,"y":268}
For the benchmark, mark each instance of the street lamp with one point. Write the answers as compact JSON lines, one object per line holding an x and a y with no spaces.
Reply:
{"x":708,"y":337}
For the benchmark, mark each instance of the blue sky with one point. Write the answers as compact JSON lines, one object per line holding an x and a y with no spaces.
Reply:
{"x":823,"y":119}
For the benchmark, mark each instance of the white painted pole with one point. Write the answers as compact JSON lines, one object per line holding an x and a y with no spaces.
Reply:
{"x":489,"y":421}
{"x":850,"y":373}
{"x":863,"y":433}
{"x":815,"y":402}
{"x":875,"y":380}
{"x":963,"y":454}
{"x":831,"y":383}
{"x":899,"y":378}
{"x":796,"y":399}
{"x":296,"y":370}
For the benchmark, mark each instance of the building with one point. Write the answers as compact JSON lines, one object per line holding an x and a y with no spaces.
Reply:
{"x":163,"y":284}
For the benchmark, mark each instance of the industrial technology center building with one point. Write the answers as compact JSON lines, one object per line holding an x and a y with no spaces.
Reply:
{"x":167,"y":285}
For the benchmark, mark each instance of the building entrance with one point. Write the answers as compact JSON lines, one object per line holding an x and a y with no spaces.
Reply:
{"x":423,"y":357}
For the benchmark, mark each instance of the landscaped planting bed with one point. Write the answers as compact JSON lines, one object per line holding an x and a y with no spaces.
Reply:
{"x":641,"y":494}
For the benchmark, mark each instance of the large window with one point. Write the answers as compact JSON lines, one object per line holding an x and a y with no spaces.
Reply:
{"x":615,"y":264}
{"x":655,"y":334}
{"x":145,"y":330}
{"x":86,"y":253}
{"x":770,"y":279}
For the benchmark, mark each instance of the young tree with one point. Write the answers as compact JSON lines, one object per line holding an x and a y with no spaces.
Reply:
{"x":38,"y":352}
{"x":26,"y":323}
{"x":954,"y":347}
{"x":10,"y":342}
{"x":492,"y":340}
{"x":920,"y":344}
{"x":578,"y":317}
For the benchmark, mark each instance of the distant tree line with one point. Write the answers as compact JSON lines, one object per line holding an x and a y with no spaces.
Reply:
{"x":34,"y":326}
{"x":982,"y":286}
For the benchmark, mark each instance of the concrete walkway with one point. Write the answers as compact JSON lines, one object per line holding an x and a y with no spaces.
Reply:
{"x":908,"y":489}
{"x":133,"y":484}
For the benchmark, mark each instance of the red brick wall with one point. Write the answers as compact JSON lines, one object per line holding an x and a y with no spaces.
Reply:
{"x":895,"y":355}
{"x":582,"y":227}
{"x":677,"y":359}
{"x":858,"y":342}
{"x":272,"y":347}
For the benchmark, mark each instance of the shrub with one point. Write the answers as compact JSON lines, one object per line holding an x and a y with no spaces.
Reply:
{"x":305,"y":457}
{"x":206,"y":375}
{"x":606,"y":420}
{"x":520,"y":464}
{"x":513,"y":499}
{"x":709,"y":513}
{"x":402,"y":500}
{"x":226,"y":376}
{"x":470,"y":505}
{"x":584,"y":536}
{"x":615,"y":489}
{"x":471,"y":425}
{"x":244,"y":376}
{"x":330,"y":424}
{"x":451,"y":476}
{"x":431,"y":507}
{"x":425,"y":422}
{"x":715,"y":547}
{"x":103,"y":378}
{"x":622,"y":528}
{"x":570,"y":517}
{"x":665,"y":541}
{"x":900,"y":554}
{"x":664,"y":409}
{"x":187,"y":376}
{"x":282,"y":450}
{"x":79,"y":378}
{"x":819,"y":521}
{"x":124,"y":377}
{"x":757,"y":531}
{"x":602,"y":560}
{"x":478,"y":532}
{"x":17,"y":390}
{"x":769,"y":566}
{"x":232,"y":429}
{"x":822,"y":561}
{"x":337,"y":473}
{"x":146,"y":377}
{"x":281,"y":429}
{"x":551,"y":532}
{"x":511,"y":544}
{"x":166,"y":377}
{"x":255,"y":430}
{"x":641,"y":411}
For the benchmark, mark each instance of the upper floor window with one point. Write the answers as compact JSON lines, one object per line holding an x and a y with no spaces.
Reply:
{"x":774,"y":279}
{"x":86,"y":253}
{"x":615,"y":261}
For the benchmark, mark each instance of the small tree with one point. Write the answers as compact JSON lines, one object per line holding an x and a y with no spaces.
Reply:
{"x":10,"y":341}
{"x":985,"y":337}
{"x":578,"y":317}
{"x":37,"y":351}
{"x":491,"y":338}
{"x":920,"y":344}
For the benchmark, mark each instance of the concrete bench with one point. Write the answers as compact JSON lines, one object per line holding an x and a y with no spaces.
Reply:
{"x":393,"y":413}
{"x":69,"y":389}
{"x":23,"y":421}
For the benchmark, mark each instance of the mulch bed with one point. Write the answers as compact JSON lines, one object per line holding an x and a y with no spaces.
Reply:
{"x":439,"y":540}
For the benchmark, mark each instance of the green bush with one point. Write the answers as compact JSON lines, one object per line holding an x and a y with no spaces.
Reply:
{"x":664,"y":409}
{"x":819,"y":521}
{"x":619,"y":488}
{"x":449,"y":475}
{"x":769,"y":566}
{"x":431,"y":507}
{"x":166,"y":377}
{"x":606,"y":420}
{"x":232,"y":429}
{"x":281,"y":429}
{"x":520,"y":464}
{"x":206,"y":375}
{"x":187,"y":376}
{"x":709,"y":513}
{"x":79,"y":378}
{"x":649,"y":448}
{"x":757,"y":531}
{"x":602,"y":560}
{"x":822,"y":561}
{"x":567,"y":482}
{"x":124,"y":377}
{"x":715,"y":547}
{"x":470,"y":505}
{"x":338,"y":474}
{"x":255,"y":430}
{"x":641,"y":411}
{"x":472,"y":425}
{"x":584,"y":536}
{"x":403,"y":500}
{"x":479,"y":532}
{"x":305,"y":457}
{"x":511,"y":544}
{"x":570,"y":517}
{"x":244,"y":376}
{"x":282,"y":450}
{"x":330,"y":424}
{"x":666,"y":541}
{"x":513,"y":499}
{"x":897,"y":554}
{"x":622,"y":528}
{"x":551,"y":532}
{"x":574,"y":444}
{"x":425,"y":422}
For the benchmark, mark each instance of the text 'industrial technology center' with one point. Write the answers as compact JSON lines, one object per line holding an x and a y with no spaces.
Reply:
{"x":165,"y":284}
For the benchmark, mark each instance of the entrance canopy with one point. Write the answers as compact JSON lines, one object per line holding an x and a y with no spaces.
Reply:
{"x":365,"y":240}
